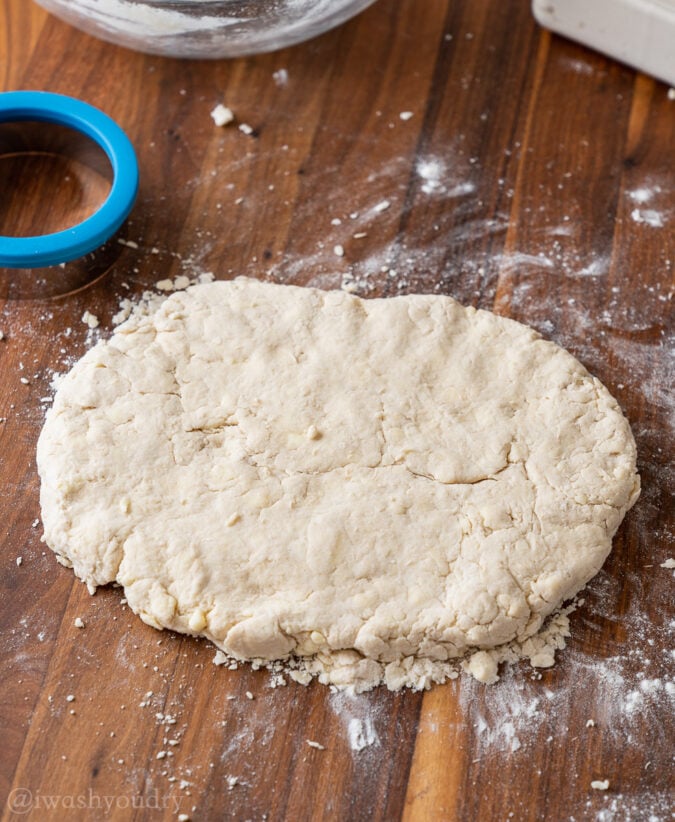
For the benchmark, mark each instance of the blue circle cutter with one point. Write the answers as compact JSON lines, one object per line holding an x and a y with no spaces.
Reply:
{"x":62,"y":246}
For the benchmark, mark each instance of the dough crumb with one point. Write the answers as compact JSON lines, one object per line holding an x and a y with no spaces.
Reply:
{"x":222,"y":115}
{"x":90,"y":319}
{"x":126,"y":306}
{"x":78,"y":622}
{"x":19,"y":560}
{"x":231,"y":781}
{"x":669,"y":563}
{"x":197,"y":621}
{"x":482,"y":666}
{"x":600,"y":784}
{"x":233,"y":519}
{"x":543,"y":659}
{"x":249,"y":695}
{"x":280,"y":77}
{"x":313,"y":433}
{"x":245,"y":128}
{"x":590,"y":723}
{"x":405,"y":115}
{"x":317,"y":745}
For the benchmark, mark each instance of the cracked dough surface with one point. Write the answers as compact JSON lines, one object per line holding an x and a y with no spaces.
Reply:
{"x":286,"y":470}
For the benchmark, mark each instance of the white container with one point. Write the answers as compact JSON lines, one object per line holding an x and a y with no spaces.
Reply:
{"x":638,"y":32}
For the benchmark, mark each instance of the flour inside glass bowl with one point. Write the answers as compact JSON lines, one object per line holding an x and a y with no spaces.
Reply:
{"x":205,"y":28}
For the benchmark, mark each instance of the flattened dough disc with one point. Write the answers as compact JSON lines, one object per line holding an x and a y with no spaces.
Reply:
{"x":286,"y":470}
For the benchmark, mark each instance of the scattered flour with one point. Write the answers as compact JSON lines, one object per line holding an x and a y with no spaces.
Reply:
{"x":362,"y":734}
{"x":120,"y":17}
{"x":643,"y":194}
{"x":360,"y":718}
{"x":578,"y":66}
{"x":515,"y":711}
{"x":648,"y":216}
{"x":436,"y":179}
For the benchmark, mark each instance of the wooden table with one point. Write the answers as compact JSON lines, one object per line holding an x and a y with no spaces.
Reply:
{"x":534,"y":178}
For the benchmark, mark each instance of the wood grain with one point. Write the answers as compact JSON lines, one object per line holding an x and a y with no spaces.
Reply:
{"x":519,"y":184}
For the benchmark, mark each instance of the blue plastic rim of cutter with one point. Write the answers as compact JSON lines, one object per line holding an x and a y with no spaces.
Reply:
{"x":62,"y":246}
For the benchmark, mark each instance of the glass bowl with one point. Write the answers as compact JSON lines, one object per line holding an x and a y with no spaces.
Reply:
{"x":205,"y":28}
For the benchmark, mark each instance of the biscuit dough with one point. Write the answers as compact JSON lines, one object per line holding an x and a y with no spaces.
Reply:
{"x":292,"y":472}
